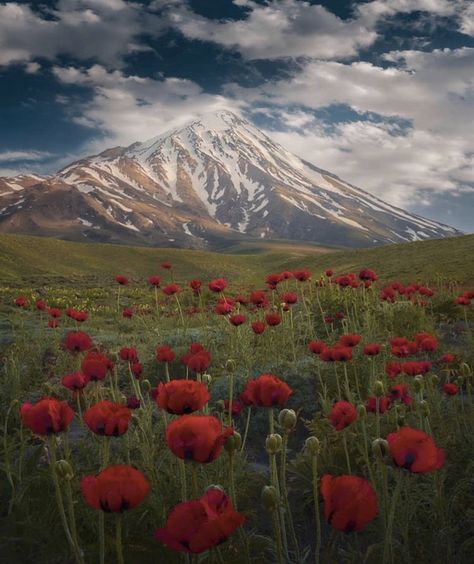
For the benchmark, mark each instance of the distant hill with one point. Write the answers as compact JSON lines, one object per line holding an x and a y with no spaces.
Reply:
{"x":39,"y":260}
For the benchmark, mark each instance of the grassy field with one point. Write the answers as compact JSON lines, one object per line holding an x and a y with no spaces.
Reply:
{"x":26,"y":260}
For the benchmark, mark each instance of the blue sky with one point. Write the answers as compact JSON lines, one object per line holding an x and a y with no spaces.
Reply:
{"x":380,"y":92}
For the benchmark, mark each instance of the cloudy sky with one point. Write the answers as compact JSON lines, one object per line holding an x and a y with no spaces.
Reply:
{"x":380,"y":92}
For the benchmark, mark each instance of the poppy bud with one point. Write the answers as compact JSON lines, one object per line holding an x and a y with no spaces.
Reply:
{"x":435,"y":379}
{"x":64,"y":470}
{"x":287,"y":419}
{"x":464,"y":368}
{"x":361,"y":411}
{"x":230,"y":365}
{"x":419,"y":383}
{"x":220,"y":406}
{"x":273,"y":443}
{"x":269,"y":498}
{"x":147,"y":385}
{"x":313,"y":445}
{"x":378,"y":389}
{"x":380,"y":448}
{"x":425,"y":408}
{"x":233,"y":443}
{"x":206,"y":379}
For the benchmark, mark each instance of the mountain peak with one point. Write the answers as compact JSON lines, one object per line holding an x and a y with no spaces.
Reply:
{"x":214,"y":179}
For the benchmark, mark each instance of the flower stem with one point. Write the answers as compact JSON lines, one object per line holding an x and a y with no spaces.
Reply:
{"x":118,"y":539}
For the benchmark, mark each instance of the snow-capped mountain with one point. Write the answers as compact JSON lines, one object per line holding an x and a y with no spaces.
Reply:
{"x":215,"y":179}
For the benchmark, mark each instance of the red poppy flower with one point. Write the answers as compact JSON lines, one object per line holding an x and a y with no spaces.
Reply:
{"x":372,"y":349}
{"x":218,"y":285}
{"x":223,"y":308}
{"x":197,"y":359}
{"x":47,"y":416}
{"x":384,"y":404}
{"x":259,"y":299}
{"x":328,"y":319}
{"x":415,"y":451}
{"x":154,"y":281}
{"x":164,"y":353}
{"x":95,"y":366}
{"x":416,"y":367}
{"x":41,"y":305}
{"x":21,"y":301}
{"x":122,"y":280}
{"x":198,"y":525}
{"x":302,"y":275}
{"x":236,"y":407}
{"x":447,"y":358}
{"x":450,"y":389}
{"x":182,"y":396}
{"x":273,"y":319}
{"x":79,"y":316}
{"x":108,"y":418}
{"x":258,"y":327}
{"x":462,"y":300}
{"x":53,"y":323}
{"x":54,"y":312}
{"x":77,"y":341}
{"x":428,"y":344}
{"x":329,"y":272}
{"x":133,"y":402}
{"x":128,"y":354}
{"x":350,"y":340}
{"x":137,"y":369}
{"x":75,"y":382}
{"x":171,"y":289}
{"x":237,"y":320}
{"x":289,"y":297}
{"x":268,"y":391}
{"x":340,"y":315}
{"x":272,"y":280}
{"x":317,"y":347}
{"x":368,"y":275}
{"x":350,"y":502}
{"x":115,"y":489}
{"x":337,"y":353}
{"x":166,"y":265}
{"x":195,"y":286}
{"x":127,"y":312}
{"x":197,"y":437}
{"x":393,"y":369}
{"x":343,"y":413}
{"x":424,"y":291}
{"x":401,"y":393}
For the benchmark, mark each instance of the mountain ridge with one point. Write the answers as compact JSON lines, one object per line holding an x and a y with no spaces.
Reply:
{"x":217,"y":178}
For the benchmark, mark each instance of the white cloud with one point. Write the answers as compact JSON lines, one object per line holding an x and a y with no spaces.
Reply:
{"x":131,"y":108}
{"x":279,"y":28}
{"x":13,"y":156}
{"x":105,"y":30}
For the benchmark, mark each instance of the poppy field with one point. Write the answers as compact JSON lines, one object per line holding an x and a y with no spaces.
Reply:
{"x":318,"y":415}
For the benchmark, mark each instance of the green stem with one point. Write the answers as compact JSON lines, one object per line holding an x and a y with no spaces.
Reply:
{"x":247,"y":424}
{"x":118,"y":538}
{"x":314,"y":466}
{"x":346,"y":452}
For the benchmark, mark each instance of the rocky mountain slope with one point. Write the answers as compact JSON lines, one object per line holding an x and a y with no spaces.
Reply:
{"x":217,"y":179}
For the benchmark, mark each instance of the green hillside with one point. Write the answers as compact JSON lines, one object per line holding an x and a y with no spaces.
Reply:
{"x":36,"y":260}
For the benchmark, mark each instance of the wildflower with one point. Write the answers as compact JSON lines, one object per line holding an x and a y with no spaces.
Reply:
{"x":154,"y":281}
{"x":372,"y":349}
{"x":77,"y":341}
{"x":450,"y":389}
{"x":117,"y":488}
{"x":75,"y":382}
{"x":415,"y":451}
{"x":95,"y":366}
{"x":343,"y":413}
{"x":181,"y":397}
{"x":164,"y":353}
{"x":199,"y":525}
{"x":47,"y":416}
{"x":258,"y":327}
{"x":268,"y":391}
{"x":350,"y":502}
{"x":108,"y":418}
{"x":122,"y":280}
{"x":218,"y":285}
{"x":197,"y":437}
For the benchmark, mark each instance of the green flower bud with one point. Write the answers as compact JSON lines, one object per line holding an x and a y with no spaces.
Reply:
{"x":63,"y":470}
{"x":146,"y":384}
{"x":312,"y":445}
{"x":419,"y":383}
{"x":269,"y":498}
{"x":220,"y":406}
{"x":378,"y":389}
{"x":233,"y":443}
{"x":287,"y":419}
{"x":273,"y":443}
{"x":206,"y":379}
{"x":230,"y":365}
{"x":380,"y":448}
{"x":435,"y":379}
{"x":465,"y":369}
{"x":361,"y":411}
{"x":425,"y":408}
{"x":401,"y":420}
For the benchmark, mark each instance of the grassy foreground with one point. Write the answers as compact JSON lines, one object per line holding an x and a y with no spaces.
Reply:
{"x":26,"y":260}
